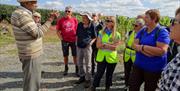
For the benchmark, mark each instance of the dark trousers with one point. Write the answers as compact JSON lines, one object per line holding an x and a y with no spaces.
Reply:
{"x":93,"y":59}
{"x":101,"y":67}
{"x":127,"y":71}
{"x":138,"y":76}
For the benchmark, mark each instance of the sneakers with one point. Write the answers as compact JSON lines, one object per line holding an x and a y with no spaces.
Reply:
{"x":81,"y":80}
{"x":126,"y":88}
{"x":65,"y":70}
{"x":87,"y":84}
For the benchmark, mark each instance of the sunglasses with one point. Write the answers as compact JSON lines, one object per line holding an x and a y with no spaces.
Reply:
{"x":175,"y":22}
{"x":108,"y":21}
{"x":67,"y":11}
{"x":135,"y":25}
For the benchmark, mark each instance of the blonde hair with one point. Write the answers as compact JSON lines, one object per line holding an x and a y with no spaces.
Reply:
{"x":113,"y":19}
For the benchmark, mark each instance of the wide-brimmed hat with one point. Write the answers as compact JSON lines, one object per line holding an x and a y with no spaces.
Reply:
{"x":25,"y":0}
{"x":87,"y":14}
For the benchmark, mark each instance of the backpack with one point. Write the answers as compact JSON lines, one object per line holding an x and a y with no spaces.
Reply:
{"x":172,"y":49}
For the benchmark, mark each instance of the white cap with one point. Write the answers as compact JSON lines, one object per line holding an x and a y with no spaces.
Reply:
{"x":37,"y":14}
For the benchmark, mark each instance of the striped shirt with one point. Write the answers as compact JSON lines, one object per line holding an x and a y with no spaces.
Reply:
{"x":28,"y":34}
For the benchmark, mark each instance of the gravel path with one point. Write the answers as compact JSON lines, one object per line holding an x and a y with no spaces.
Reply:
{"x":52,"y":63}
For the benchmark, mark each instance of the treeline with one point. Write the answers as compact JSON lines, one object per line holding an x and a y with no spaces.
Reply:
{"x":124,"y":23}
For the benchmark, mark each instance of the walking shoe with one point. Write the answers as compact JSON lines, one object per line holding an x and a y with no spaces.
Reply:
{"x":65,"y":70}
{"x":87,"y":84}
{"x":76,"y":71}
{"x":81,"y":80}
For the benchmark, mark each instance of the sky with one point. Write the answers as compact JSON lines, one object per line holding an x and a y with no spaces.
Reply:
{"x":130,"y":8}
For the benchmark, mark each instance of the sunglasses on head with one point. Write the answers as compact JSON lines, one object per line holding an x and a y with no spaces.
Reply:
{"x":67,"y":11}
{"x":108,"y":21}
{"x":174,"y":22}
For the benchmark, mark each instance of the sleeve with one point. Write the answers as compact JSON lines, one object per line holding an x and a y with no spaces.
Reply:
{"x":164,"y":36}
{"x":94,"y":34}
{"x":29,"y":26}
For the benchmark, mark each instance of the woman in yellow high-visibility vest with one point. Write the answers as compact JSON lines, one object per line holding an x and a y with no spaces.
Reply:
{"x":107,"y":42}
{"x":129,"y":52}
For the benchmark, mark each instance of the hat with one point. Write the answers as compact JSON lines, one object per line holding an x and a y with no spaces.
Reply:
{"x":140,"y":21}
{"x":68,"y":8}
{"x":96,"y":14}
{"x":87,"y":14}
{"x":37,"y":14}
{"x":25,"y":0}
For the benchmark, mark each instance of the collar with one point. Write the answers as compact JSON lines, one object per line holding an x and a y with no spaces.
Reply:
{"x":26,"y":10}
{"x":108,"y":31}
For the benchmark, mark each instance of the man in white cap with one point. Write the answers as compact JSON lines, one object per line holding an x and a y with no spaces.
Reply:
{"x":66,"y":31}
{"x":28,"y":38}
{"x":37,"y":17}
{"x":86,"y":36}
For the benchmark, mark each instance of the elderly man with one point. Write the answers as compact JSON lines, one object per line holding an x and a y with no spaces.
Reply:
{"x":86,"y":36}
{"x":28,"y":36}
{"x":66,"y":27}
{"x":37,"y":17}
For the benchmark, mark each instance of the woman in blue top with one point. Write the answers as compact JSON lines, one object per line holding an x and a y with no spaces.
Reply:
{"x":151,"y":45}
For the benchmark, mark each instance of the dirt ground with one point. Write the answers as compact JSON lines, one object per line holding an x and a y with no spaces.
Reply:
{"x":52,"y":63}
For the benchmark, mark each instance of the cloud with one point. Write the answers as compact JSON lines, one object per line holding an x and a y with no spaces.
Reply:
{"x":53,"y":4}
{"x":112,"y":7}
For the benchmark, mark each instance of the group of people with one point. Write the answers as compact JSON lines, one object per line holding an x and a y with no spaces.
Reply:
{"x":145,"y":55}
{"x":94,"y":44}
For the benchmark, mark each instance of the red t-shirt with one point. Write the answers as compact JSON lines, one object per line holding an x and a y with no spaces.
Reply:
{"x":68,"y":27}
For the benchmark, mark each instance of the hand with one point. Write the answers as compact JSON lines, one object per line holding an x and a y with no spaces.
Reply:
{"x":53,"y":15}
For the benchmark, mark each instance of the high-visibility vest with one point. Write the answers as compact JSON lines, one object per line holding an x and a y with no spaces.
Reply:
{"x":109,"y":55}
{"x":130,"y":53}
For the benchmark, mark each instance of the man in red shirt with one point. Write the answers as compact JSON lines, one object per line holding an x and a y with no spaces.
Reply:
{"x":66,"y":31}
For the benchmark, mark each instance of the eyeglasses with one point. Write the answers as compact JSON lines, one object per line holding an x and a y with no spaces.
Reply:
{"x":108,"y":21}
{"x":67,"y":11}
{"x":175,"y":22}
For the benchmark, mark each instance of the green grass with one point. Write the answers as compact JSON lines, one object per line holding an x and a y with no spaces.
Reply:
{"x":6,"y":40}
{"x":9,"y":39}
